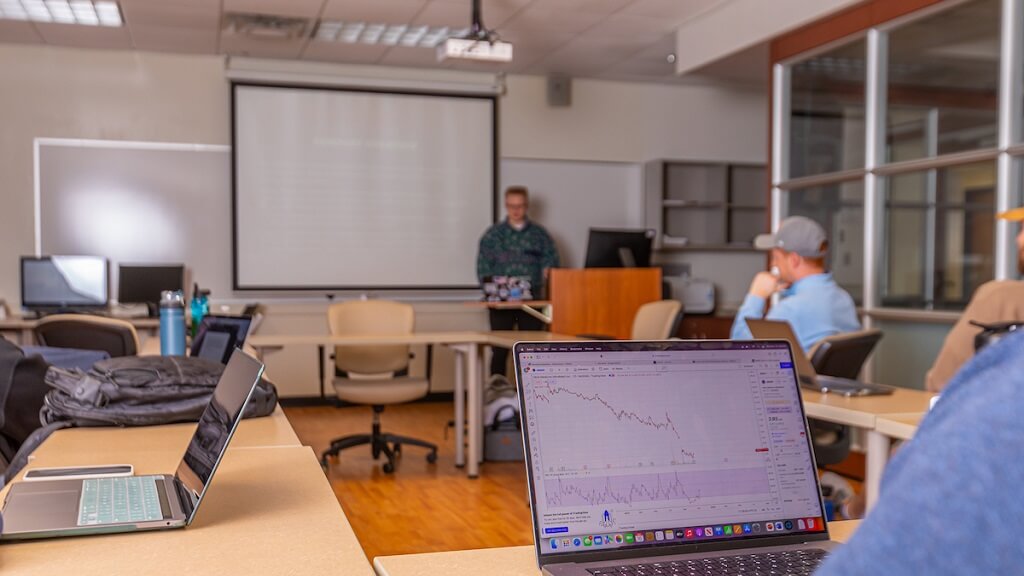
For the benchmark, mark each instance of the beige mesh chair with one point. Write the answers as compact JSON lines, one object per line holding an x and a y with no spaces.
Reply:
{"x":86,"y":332}
{"x":375,"y":375}
{"x":657,"y":320}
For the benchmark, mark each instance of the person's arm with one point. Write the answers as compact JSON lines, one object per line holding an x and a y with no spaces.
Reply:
{"x":762,"y":287}
{"x":549,"y":258}
{"x":486,"y":259}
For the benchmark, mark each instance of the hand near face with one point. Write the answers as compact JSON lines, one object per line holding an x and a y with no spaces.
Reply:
{"x":764,"y":285}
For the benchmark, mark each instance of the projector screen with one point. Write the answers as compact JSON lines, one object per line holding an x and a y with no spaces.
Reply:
{"x":342,"y":189}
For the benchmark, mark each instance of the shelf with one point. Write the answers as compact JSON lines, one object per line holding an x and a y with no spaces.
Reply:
{"x":709,"y":248}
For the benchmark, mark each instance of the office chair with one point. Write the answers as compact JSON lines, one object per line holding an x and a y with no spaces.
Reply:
{"x":86,"y":332}
{"x":843,"y":356}
{"x":375,"y":375}
{"x":657,"y":320}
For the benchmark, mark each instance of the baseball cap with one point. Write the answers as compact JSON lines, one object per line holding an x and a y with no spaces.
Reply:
{"x":796,"y":234}
{"x":1015,"y":215}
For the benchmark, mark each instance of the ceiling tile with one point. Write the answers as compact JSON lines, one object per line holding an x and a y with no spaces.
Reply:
{"x":19,"y":32}
{"x":389,"y":12}
{"x":175,"y":39}
{"x":297,"y":8}
{"x":460,"y":15}
{"x":237,"y":45}
{"x":603,"y":7}
{"x":342,"y":52}
{"x":673,"y":10}
{"x":185,"y":15}
{"x":417,"y":57}
{"x":85,"y":36}
{"x":643,"y":28}
{"x":533,"y":22}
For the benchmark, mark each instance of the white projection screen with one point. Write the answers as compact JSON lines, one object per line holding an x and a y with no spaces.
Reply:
{"x":343,"y":189}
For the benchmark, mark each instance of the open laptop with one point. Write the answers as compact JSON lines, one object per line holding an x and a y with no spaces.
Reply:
{"x":134,"y":503}
{"x":219,"y":335}
{"x":781,"y":330}
{"x":688,"y":456}
{"x":506,"y":288}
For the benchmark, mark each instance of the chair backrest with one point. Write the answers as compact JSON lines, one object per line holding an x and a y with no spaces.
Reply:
{"x":657,"y":320}
{"x":367,"y":318}
{"x":843,"y":355}
{"x":87,"y":332}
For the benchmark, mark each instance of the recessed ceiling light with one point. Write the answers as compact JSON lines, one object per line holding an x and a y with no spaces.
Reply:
{"x":387,"y":34}
{"x":82,"y":12}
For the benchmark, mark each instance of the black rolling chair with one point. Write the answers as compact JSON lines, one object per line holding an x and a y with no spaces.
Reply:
{"x":842,"y":356}
{"x":86,"y":332}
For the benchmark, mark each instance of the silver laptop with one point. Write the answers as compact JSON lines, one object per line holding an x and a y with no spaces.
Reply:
{"x":685,"y":456}
{"x":127,"y":504}
{"x":781,"y":330}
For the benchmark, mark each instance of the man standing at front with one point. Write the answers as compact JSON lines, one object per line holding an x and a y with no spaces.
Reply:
{"x":515,"y":247}
{"x":813,"y":304}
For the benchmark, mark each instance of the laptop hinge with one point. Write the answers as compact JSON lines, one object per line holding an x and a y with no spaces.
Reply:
{"x":185,"y":497}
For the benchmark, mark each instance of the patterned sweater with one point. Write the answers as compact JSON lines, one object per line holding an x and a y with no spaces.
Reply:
{"x":505,"y":251}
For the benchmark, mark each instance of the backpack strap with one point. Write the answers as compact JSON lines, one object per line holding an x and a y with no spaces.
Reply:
{"x":10,"y":355}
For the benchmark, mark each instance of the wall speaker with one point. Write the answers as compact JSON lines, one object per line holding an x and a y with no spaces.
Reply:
{"x":559,"y":91}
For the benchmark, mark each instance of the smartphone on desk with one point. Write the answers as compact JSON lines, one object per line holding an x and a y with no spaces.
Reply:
{"x":79,"y":472}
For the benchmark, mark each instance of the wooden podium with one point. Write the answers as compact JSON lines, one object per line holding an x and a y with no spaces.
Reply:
{"x":600,"y":300}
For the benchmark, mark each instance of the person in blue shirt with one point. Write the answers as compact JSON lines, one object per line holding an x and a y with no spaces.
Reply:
{"x":813,"y":304}
{"x":950,"y":499}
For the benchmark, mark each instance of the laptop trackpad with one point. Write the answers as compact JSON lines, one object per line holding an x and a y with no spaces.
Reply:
{"x":42,"y":505}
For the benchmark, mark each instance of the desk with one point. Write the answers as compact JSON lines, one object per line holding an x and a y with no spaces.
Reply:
{"x":863,"y":412}
{"x":465,"y":344}
{"x":268,"y":511}
{"x":539,"y":309}
{"x":510,"y":561}
{"x":22,"y":327}
{"x":899,"y":426}
{"x":273,"y":430}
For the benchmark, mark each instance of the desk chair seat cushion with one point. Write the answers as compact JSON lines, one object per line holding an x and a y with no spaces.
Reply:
{"x":87,"y":332}
{"x":381,"y":392}
{"x":657,"y":320}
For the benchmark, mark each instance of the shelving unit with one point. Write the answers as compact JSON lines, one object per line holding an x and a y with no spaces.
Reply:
{"x":713,"y":206}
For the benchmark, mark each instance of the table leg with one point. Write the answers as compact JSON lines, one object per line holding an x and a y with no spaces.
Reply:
{"x":878,"y":446}
{"x":475,"y":400}
{"x":482,"y":376}
{"x":461,"y":357}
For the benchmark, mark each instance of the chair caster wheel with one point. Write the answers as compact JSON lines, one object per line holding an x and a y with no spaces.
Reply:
{"x":397,"y":449}
{"x":432,"y":457}
{"x":388,"y":468}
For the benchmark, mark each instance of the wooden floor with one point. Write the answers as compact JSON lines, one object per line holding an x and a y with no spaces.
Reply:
{"x":421,"y":507}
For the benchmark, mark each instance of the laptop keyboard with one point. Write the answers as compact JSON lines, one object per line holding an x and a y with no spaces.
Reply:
{"x":795,"y":562}
{"x":118,"y":500}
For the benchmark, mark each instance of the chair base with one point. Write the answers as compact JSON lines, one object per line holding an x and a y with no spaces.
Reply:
{"x":390,"y":445}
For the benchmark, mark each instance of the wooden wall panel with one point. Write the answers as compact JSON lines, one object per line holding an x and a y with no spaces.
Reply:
{"x":601,"y":300}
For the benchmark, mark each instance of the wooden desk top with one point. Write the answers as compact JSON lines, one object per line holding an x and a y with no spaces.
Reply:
{"x":511,"y":561}
{"x":861,"y":411}
{"x":902,"y":426}
{"x":79,"y":445}
{"x":268,"y":511}
{"x":508,"y":338}
{"x":279,"y":340}
{"x":509,"y":304}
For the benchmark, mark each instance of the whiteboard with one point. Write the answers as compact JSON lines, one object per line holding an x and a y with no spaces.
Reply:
{"x":137,"y":203}
{"x":569,"y":197}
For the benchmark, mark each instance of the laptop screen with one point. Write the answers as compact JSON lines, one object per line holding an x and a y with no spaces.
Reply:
{"x":218,"y":422}
{"x":633,"y":444}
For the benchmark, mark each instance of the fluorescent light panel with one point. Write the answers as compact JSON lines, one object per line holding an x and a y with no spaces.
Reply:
{"x":83,"y":12}
{"x":386,"y":34}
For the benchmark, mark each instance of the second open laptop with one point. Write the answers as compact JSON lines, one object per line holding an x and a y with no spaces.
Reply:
{"x":675,"y":457}
{"x":135,"y":503}
{"x":809,"y":378}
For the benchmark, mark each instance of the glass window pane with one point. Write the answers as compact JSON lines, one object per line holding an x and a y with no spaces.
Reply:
{"x":826,"y":124}
{"x":839,"y":208}
{"x":943,"y":88}
{"x":939,"y":236}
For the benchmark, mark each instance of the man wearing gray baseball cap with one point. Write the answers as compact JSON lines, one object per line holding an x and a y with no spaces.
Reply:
{"x":813,"y":304}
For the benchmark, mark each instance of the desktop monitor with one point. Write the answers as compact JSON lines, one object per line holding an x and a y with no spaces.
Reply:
{"x":143,"y":284}
{"x":64,"y":282}
{"x":619,"y":248}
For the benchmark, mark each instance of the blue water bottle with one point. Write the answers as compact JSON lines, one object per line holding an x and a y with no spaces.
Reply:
{"x":172,"y":323}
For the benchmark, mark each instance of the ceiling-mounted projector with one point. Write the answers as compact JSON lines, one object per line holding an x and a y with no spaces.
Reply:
{"x":478,"y":44}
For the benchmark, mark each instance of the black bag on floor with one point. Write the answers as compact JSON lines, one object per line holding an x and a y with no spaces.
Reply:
{"x":503,"y":438}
